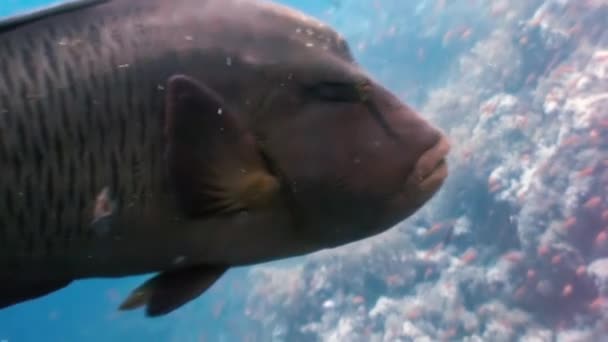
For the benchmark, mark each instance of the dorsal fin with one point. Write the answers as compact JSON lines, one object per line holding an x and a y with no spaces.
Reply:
{"x":15,"y":21}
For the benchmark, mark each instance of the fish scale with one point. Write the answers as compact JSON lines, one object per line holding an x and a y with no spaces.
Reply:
{"x":46,"y":142}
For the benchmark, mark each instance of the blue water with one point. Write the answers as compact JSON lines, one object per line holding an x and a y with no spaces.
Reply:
{"x":13,"y":7}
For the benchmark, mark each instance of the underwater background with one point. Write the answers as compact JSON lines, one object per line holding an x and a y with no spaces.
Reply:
{"x":521,"y":87}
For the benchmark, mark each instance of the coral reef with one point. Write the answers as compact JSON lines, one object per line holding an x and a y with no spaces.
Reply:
{"x":525,"y":206}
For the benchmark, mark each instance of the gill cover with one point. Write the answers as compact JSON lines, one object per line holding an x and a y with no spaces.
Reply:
{"x":214,"y":162}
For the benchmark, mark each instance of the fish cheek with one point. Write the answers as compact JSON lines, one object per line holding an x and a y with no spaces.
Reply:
{"x":213,"y":161}
{"x":341,"y":165}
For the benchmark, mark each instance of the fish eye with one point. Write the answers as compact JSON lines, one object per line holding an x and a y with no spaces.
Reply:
{"x":336,"y":92}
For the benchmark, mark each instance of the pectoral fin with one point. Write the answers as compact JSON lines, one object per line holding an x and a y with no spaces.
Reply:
{"x":213,"y":160}
{"x":169,"y":290}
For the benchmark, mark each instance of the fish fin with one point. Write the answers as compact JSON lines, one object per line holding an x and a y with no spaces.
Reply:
{"x":170,"y":290}
{"x":13,"y":22}
{"x":214,"y":162}
{"x":11,"y":294}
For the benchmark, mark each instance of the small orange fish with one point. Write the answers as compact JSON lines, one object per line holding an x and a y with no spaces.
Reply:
{"x":597,"y":304}
{"x":600,"y":57}
{"x":601,"y":238}
{"x":531,"y":78}
{"x":414,"y":313}
{"x":469,"y":256}
{"x":575,"y":29}
{"x":567,"y":290}
{"x":513,"y":256}
{"x":593,"y":202}
{"x":564,"y":69}
{"x":520,"y":292}
{"x":489,"y":109}
{"x":447,"y":37}
{"x":586,"y":172}
{"x":569,"y":141}
{"x":434,"y":229}
{"x":393,"y":280}
{"x":542,"y":250}
{"x":497,"y":10}
{"x":603,"y":123}
{"x":581,"y":271}
{"x":449,"y":334}
{"x":523,"y":40}
{"x":358,"y":300}
{"x":494,"y":184}
{"x":570,"y":222}
{"x":521,"y":122}
{"x":605,"y":215}
{"x":538,"y":20}
{"x":595,"y":136}
{"x":521,"y":196}
{"x":561,"y":326}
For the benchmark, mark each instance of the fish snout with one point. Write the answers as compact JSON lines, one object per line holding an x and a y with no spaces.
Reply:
{"x":431,"y":169}
{"x":423,"y":146}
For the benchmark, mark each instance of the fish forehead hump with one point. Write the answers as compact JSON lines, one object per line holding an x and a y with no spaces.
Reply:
{"x":274,"y":31}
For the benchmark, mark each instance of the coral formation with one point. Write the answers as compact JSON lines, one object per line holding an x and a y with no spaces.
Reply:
{"x":515,"y":246}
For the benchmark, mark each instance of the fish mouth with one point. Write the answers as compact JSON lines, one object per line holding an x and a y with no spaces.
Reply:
{"x":431,"y":169}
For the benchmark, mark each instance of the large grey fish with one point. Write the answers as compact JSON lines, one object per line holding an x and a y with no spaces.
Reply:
{"x":185,"y":137}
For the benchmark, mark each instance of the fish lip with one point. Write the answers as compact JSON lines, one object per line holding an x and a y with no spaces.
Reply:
{"x":433,"y":180}
{"x":432,"y":167}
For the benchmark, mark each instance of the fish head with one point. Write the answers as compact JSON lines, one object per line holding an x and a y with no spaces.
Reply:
{"x":352,"y":159}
